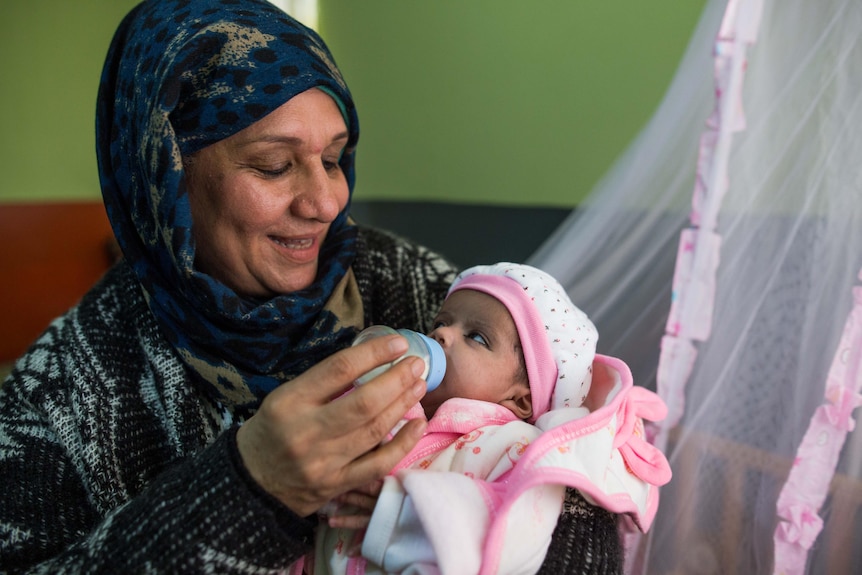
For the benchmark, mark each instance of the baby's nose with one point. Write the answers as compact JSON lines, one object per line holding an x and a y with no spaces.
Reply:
{"x":439,"y":335}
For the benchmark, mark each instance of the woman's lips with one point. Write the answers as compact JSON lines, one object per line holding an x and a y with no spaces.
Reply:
{"x":297,"y":249}
{"x":294,"y":244}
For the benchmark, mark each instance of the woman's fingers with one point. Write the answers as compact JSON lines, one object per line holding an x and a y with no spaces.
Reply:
{"x":372,"y":489}
{"x":348,"y":521}
{"x":305,"y":449}
{"x":373,"y":409}
{"x":379,"y":462}
{"x":352,"y":510}
{"x":366,"y":457}
{"x":336,"y":374}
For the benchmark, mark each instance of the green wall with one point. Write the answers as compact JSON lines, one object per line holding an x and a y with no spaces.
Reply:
{"x":51,"y":54}
{"x":503,"y":101}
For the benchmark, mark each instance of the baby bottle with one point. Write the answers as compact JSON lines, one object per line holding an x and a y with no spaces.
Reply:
{"x":420,"y":346}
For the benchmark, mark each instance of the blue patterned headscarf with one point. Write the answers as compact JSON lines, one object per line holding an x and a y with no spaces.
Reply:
{"x":181,"y":75}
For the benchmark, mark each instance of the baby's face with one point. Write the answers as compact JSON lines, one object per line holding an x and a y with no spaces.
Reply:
{"x":482,"y":348}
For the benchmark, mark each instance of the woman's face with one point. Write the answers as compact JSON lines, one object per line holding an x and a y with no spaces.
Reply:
{"x":262,"y":200}
{"x":483,"y":354}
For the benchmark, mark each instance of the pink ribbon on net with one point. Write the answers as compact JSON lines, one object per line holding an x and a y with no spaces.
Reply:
{"x":801,"y":526}
{"x":840,"y":411}
{"x":817,"y":455}
{"x":698,"y":255}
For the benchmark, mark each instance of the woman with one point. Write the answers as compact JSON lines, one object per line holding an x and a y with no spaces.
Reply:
{"x":148,"y":429}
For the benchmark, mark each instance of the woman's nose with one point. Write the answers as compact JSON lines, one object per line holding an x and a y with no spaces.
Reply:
{"x":321,"y":198}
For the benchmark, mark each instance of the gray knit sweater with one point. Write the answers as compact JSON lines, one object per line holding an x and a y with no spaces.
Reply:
{"x":113,"y":461}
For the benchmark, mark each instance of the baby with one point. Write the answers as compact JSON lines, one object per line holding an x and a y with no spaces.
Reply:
{"x":519,"y":373}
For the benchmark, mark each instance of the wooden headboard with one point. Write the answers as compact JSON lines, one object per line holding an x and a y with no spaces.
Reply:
{"x":51,"y":254}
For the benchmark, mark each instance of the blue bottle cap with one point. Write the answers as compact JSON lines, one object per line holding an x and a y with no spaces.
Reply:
{"x":437,"y":361}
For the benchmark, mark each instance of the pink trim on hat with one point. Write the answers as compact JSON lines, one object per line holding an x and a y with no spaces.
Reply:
{"x":538,"y":357}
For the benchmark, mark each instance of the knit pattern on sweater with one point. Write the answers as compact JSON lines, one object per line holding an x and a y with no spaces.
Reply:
{"x":112,"y":461}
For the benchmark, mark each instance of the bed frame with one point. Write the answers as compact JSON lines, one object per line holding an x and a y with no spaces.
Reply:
{"x":722,"y":543}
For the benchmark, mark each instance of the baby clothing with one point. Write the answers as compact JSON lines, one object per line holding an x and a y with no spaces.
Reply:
{"x":482,"y":490}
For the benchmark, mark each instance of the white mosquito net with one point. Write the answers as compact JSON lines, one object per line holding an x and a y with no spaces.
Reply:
{"x":751,"y":170}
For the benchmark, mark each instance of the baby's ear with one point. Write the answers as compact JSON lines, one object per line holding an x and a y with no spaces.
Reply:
{"x":521,"y":402}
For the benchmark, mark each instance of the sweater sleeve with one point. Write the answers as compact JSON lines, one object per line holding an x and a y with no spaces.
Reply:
{"x":586,"y":540}
{"x":110,"y":462}
{"x":201,"y":513}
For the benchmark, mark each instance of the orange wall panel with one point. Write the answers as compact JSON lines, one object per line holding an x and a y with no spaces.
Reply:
{"x":51,"y":254}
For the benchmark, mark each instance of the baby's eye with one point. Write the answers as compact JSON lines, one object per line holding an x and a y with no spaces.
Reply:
{"x":478,"y":338}
{"x":437,"y":323}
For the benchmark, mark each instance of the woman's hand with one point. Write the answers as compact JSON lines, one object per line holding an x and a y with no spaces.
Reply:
{"x":305,"y":449}
{"x":352,"y":510}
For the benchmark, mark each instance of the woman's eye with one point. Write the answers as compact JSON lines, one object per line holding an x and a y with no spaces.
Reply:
{"x":478,"y":338}
{"x":274,"y":171}
{"x":331,"y":165}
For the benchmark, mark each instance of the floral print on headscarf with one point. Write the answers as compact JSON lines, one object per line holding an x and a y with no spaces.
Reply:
{"x":181,"y":75}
